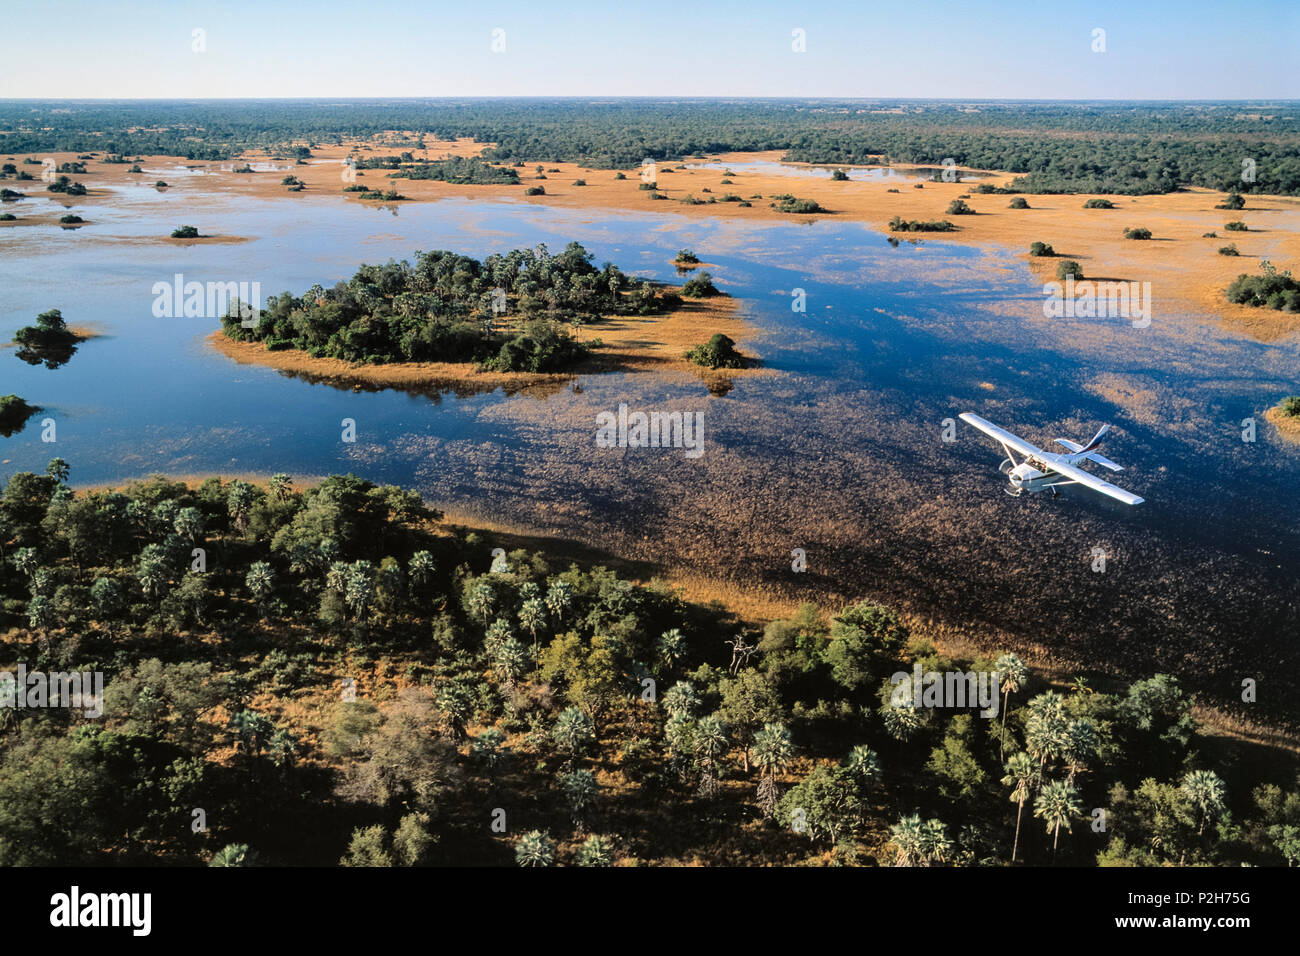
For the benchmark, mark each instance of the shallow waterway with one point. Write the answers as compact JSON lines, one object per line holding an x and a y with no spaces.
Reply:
{"x":842,"y":452}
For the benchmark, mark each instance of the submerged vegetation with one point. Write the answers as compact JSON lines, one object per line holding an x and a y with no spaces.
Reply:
{"x":505,"y":312}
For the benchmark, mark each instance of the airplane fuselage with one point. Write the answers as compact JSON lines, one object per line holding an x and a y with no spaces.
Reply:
{"x":1032,"y":475}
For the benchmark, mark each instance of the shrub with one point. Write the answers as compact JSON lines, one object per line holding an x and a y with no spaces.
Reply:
{"x":1209,"y":235}
{"x":1229,"y":250}
{"x":579,"y":182}
{"x":1018,"y":202}
{"x":1138,"y":233}
{"x":535,"y":191}
{"x":620,"y":176}
{"x":898,"y":224}
{"x":1290,"y":406}
{"x":686,"y":255}
{"x":1234,"y":201}
{"x":718,"y":352}
{"x":793,"y":205}
{"x":1273,"y":290}
{"x":1069,"y":268}
{"x":1099,"y":204}
{"x":840,"y":176}
{"x":959,"y":207}
{"x":697,"y":287}
{"x":7,"y":217}
{"x":185,"y":232}
{"x":160,"y":185}
{"x":1041,"y":249}
{"x":70,"y":220}
{"x":648,"y":187}
{"x":1236,"y":226}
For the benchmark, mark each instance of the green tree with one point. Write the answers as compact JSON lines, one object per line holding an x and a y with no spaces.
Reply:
{"x":1057,"y":805}
{"x":535,"y":849}
{"x":773,"y":750}
{"x":1022,"y":777}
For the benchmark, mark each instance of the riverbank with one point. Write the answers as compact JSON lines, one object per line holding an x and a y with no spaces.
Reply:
{"x":1288,"y":426}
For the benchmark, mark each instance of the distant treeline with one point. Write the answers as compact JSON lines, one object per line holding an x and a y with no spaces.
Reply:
{"x":451,"y":308}
{"x":1127,"y":148}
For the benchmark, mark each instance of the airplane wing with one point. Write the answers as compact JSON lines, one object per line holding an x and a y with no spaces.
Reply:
{"x":1096,"y":484}
{"x":1102,"y":460}
{"x":1007,"y":439}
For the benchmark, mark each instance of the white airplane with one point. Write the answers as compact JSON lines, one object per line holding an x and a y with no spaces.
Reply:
{"x":1042,"y":469}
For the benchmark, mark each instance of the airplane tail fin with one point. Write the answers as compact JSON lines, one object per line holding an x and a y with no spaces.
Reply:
{"x":1096,"y":439}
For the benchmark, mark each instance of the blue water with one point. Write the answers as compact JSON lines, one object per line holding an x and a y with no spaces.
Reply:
{"x":840,"y":451}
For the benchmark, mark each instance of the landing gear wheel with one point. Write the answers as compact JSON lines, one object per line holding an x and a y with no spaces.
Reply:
{"x":1006,"y":466}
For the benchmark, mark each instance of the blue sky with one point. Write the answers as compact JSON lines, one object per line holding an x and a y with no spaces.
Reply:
{"x":1154,"y":50}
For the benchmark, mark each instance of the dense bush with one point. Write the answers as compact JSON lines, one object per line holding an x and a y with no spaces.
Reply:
{"x":1067,"y":268}
{"x":447,"y":308}
{"x":898,"y":224}
{"x":1272,"y":290}
{"x":1041,"y":249}
{"x":718,"y":352}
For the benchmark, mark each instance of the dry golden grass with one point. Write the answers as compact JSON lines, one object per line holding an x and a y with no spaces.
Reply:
{"x":1186,"y":273}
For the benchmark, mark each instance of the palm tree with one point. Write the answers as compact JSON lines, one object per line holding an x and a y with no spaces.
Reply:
{"x":1022,"y":777}
{"x":1013,"y":674}
{"x":480,"y":601}
{"x":596,"y":851}
{"x":573,"y":732}
{"x":1207,"y":793}
{"x":152,"y":570}
{"x":421,"y":568}
{"x":906,"y":834}
{"x":535,"y":849}
{"x":772,"y":751}
{"x":532,"y":615}
{"x":510,"y":662}
{"x":864,"y":764}
{"x":359,"y":588}
{"x":1057,"y":804}
{"x":671,"y":647}
{"x":239,"y":503}
{"x":710,"y":743}
{"x":579,"y":788}
{"x":280,"y":486}
{"x":1045,"y":730}
{"x":559,"y":598}
{"x":189,"y":523}
{"x":234,"y":854}
{"x":681,"y":700}
{"x":936,"y":847}
{"x":260,"y":581}
{"x":1080,"y":746}
{"x":902,"y":721}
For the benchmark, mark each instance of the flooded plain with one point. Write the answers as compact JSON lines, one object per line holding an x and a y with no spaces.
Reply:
{"x":841,"y":452}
